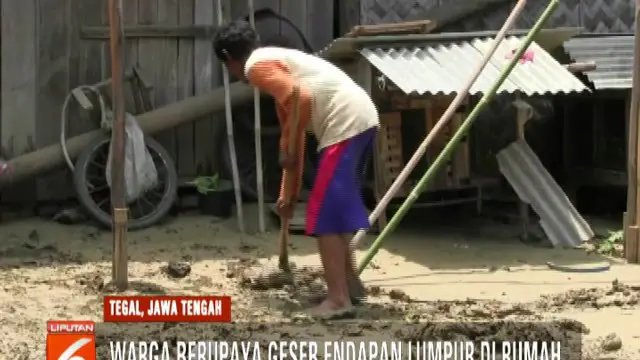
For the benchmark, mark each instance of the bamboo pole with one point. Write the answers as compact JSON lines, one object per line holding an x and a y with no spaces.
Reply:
{"x":460,"y":133}
{"x":258,"y":139}
{"x":230,"y":139}
{"x":441,"y":124}
{"x":119,"y":227}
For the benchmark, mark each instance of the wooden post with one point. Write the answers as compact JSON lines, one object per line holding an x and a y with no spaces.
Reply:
{"x":365,"y":80}
{"x":524,"y":113}
{"x":120,"y":258}
{"x":632,"y":216}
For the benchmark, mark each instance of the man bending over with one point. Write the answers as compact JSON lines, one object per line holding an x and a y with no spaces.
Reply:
{"x":344,"y":120}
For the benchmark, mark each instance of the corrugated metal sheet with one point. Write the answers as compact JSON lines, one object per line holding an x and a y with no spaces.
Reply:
{"x":613,"y":56}
{"x":444,"y":68}
{"x":534,"y":185}
{"x":348,"y":47}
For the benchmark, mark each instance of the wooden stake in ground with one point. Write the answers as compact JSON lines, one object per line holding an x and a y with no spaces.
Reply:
{"x":632,"y":216}
{"x":283,"y":259}
{"x":524,"y":112}
{"x":232,"y":143}
{"x":119,"y":214}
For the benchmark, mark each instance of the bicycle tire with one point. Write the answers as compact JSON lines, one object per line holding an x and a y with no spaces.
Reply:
{"x":105,"y":219}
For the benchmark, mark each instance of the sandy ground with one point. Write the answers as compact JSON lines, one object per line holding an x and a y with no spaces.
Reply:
{"x":447,"y":272}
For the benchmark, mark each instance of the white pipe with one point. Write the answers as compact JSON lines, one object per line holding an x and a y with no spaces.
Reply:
{"x":232,"y":144}
{"x":257,"y":120}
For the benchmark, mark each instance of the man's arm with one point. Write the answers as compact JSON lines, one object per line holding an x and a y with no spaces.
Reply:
{"x":274,"y":78}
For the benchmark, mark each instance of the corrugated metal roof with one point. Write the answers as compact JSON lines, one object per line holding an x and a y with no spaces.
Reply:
{"x":534,"y":185}
{"x":613,"y":56}
{"x":444,"y":68}
{"x":348,"y":47}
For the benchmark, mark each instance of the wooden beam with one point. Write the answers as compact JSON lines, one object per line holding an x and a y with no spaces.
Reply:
{"x":581,"y":67}
{"x":455,"y":11}
{"x":151,"y":31}
{"x":407,"y":27}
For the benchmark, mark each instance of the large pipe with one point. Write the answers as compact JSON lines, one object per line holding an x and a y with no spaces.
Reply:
{"x":50,"y":158}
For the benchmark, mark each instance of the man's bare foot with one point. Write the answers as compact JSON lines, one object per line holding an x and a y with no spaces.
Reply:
{"x":331,"y":310}
{"x":357,"y":290}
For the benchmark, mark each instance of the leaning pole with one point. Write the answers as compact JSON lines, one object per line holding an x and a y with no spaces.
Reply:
{"x":455,"y":139}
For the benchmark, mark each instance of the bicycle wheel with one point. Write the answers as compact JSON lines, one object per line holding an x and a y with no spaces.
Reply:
{"x":94,"y":193}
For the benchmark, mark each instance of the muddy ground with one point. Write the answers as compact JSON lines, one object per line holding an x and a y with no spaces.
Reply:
{"x":442,"y":272}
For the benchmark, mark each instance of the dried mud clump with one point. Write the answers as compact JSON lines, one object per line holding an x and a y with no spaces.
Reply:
{"x":399,"y":295}
{"x":92,"y":282}
{"x":177,"y":270}
{"x":267,"y":277}
{"x":618,"y":294}
{"x":568,"y":332}
{"x":611,"y":342}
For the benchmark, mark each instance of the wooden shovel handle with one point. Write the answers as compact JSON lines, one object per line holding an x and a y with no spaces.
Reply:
{"x":284,"y":222}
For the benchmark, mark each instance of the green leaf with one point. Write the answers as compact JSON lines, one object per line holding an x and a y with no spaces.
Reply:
{"x":206,"y":184}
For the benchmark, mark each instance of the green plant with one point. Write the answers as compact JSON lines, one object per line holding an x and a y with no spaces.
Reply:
{"x":206,"y":184}
{"x":608,"y":245}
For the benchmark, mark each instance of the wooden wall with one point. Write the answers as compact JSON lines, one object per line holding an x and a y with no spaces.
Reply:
{"x":43,"y":57}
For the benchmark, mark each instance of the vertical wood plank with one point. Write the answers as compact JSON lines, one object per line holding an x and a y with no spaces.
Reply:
{"x":350,"y":14}
{"x":149,"y":50}
{"x":53,"y":81}
{"x":166,"y":71}
{"x":185,"y":133}
{"x":206,"y":70}
{"x":267,"y":28}
{"x":130,"y":17}
{"x":19,"y":85}
{"x":130,"y":10}
{"x":364,"y":76}
{"x":130,"y":49}
{"x":319,"y":18}
{"x":85,"y":60}
{"x":567,"y":153}
{"x":296,"y":11}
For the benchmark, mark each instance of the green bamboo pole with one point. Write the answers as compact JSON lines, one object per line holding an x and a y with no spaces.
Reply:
{"x":462,"y":131}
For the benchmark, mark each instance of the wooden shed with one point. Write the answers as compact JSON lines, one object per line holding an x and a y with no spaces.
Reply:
{"x":413,"y":79}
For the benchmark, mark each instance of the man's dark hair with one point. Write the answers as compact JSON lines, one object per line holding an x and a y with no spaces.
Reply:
{"x":236,"y":39}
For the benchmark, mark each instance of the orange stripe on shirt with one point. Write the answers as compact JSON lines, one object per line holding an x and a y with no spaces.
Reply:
{"x":274,"y":77}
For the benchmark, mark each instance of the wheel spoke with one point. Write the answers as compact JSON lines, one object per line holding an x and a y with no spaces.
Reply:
{"x":157,"y":194}
{"x":95,"y":189}
{"x":138,"y":206}
{"x":98,"y":164}
{"x":102,"y":202}
{"x":96,"y":178}
{"x":143,"y":197}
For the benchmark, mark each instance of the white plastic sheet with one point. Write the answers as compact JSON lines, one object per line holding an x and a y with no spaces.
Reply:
{"x":140,"y":173}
